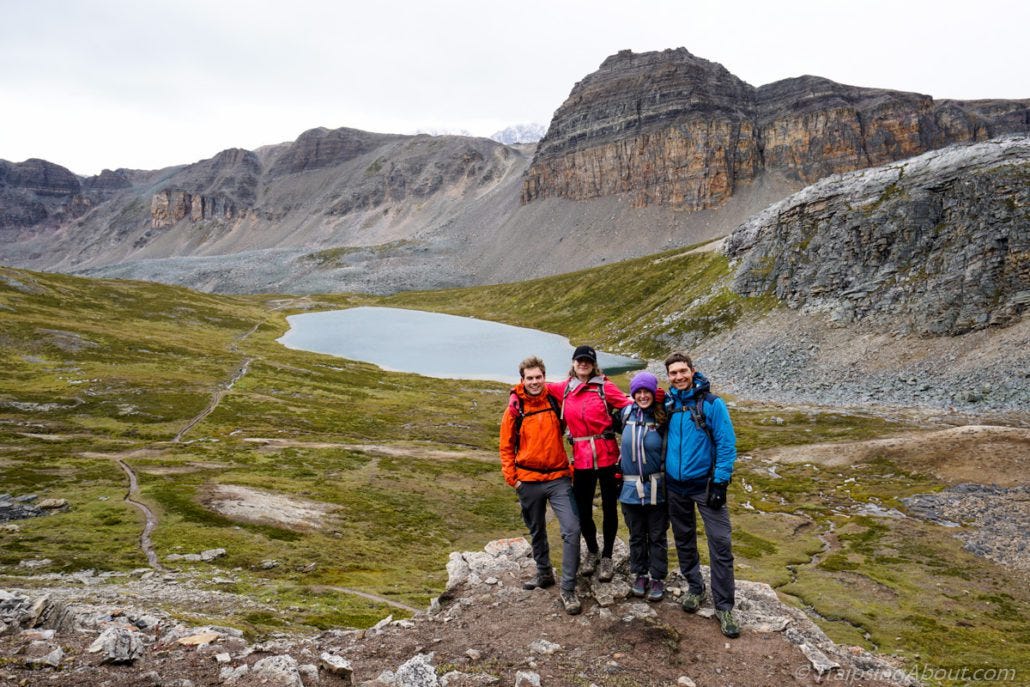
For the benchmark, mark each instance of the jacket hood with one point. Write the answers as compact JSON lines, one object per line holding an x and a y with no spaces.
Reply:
{"x":519,"y":390}
{"x":701,"y":385}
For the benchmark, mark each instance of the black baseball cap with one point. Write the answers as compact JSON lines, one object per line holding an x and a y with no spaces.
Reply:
{"x":585,"y":352}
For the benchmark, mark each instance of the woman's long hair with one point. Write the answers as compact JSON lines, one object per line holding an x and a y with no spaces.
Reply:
{"x":596,"y":372}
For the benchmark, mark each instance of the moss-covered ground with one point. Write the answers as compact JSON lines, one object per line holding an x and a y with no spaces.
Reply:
{"x":94,"y":370}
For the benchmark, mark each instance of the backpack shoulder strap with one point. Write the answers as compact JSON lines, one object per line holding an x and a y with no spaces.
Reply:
{"x":521,"y":415}
{"x":515,"y":402}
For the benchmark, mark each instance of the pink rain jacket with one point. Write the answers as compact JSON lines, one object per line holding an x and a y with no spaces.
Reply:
{"x":587,"y":419}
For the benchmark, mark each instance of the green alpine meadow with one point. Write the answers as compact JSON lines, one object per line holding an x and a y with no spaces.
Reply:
{"x":360,"y":481}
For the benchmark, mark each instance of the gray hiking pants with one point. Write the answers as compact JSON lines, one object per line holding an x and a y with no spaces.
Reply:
{"x":720,"y":551}
{"x":533,"y":497}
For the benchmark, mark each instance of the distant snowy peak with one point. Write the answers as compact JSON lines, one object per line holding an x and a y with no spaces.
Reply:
{"x":520,"y":133}
{"x":443,"y":131}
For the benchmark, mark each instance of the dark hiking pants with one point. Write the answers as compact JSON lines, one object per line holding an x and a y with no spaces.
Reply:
{"x":586,"y":482}
{"x":720,"y":553}
{"x":648,"y":544}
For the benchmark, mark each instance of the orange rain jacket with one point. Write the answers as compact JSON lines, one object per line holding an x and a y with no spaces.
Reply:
{"x":541,"y":455}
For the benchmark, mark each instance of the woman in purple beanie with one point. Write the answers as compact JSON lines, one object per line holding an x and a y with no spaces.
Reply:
{"x":643,"y":488}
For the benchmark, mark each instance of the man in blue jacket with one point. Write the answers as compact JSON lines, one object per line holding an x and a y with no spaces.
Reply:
{"x":700,"y":451}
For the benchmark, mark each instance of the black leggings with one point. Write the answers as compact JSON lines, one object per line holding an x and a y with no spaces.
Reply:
{"x":584,"y":483}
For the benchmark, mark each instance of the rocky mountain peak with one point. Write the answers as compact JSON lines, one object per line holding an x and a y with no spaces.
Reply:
{"x":321,"y":147}
{"x":670,"y":128}
{"x":107,"y":180}
{"x":39,"y":177}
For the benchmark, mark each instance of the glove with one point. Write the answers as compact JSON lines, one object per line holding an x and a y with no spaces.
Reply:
{"x":717,"y":495}
{"x":659,"y":396}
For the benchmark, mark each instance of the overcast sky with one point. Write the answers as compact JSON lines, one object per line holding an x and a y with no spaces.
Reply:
{"x":149,"y":83}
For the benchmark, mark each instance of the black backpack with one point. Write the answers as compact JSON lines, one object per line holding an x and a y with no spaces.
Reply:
{"x":521,"y":415}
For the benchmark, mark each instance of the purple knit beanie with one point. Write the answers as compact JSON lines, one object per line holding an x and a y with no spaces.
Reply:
{"x":643,"y":380}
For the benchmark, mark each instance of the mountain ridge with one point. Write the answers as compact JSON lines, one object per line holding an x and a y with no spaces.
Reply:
{"x":650,"y":152}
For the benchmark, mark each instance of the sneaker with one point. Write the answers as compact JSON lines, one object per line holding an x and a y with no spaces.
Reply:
{"x":639,"y":587}
{"x":607,"y":570}
{"x":657,"y":591}
{"x":541,"y":581}
{"x":571,"y":602}
{"x":692,"y":601}
{"x":728,"y":624}
{"x":589,"y":564}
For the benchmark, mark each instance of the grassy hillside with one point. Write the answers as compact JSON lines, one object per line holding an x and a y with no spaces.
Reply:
{"x":642,"y":307}
{"x":93,"y":371}
{"x":96,"y":371}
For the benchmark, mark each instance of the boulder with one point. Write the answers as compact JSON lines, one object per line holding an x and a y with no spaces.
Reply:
{"x":118,"y":645}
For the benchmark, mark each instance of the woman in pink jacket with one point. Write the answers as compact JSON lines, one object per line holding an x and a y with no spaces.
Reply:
{"x":586,"y":397}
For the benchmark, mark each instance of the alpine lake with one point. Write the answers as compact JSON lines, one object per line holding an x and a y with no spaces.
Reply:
{"x":436,"y":345}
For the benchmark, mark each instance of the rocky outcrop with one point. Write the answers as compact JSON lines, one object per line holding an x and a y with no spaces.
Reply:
{"x":219,"y":188}
{"x":39,"y":177}
{"x":674,"y":129}
{"x":107,"y":180}
{"x":321,"y":147}
{"x":667,"y":127}
{"x":420,"y":168}
{"x":169,"y":207}
{"x":485,"y":629}
{"x":936,"y":245}
{"x":35,"y":191}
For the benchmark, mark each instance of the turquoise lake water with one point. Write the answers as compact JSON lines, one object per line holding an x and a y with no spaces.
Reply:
{"x":436,"y":345}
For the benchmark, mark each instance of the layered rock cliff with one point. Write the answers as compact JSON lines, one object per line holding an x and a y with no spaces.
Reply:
{"x":938,"y":244}
{"x":674,"y":129}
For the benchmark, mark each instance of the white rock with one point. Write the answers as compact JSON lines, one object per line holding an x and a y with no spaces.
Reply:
{"x":231,"y":675}
{"x":280,"y":671}
{"x":118,"y":645}
{"x":50,"y":659}
{"x":309,"y":673}
{"x":337,"y":665}
{"x":685,"y":681}
{"x":417,"y":671}
{"x":223,"y":658}
{"x":525,"y":678}
{"x":381,"y":624}
{"x":542,"y":646}
{"x":516,"y":547}
{"x":818,"y":659}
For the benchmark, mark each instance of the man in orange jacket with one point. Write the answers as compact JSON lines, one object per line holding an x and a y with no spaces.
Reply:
{"x":534,"y":462}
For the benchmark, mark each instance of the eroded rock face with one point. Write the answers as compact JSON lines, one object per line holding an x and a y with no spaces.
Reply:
{"x":321,"y":147}
{"x":169,"y":207}
{"x":34,"y":191}
{"x":666,"y":126}
{"x":939,"y":243}
{"x":674,"y":129}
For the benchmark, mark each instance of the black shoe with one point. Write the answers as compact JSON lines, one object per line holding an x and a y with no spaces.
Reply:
{"x":541,"y":581}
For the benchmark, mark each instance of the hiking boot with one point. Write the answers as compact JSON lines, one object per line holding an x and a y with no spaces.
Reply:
{"x":607,"y":570}
{"x":657,"y":591}
{"x":589,"y":565}
{"x":541,"y":581}
{"x":571,"y":602}
{"x":692,"y":601}
{"x":639,"y":587}
{"x":728,"y":624}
